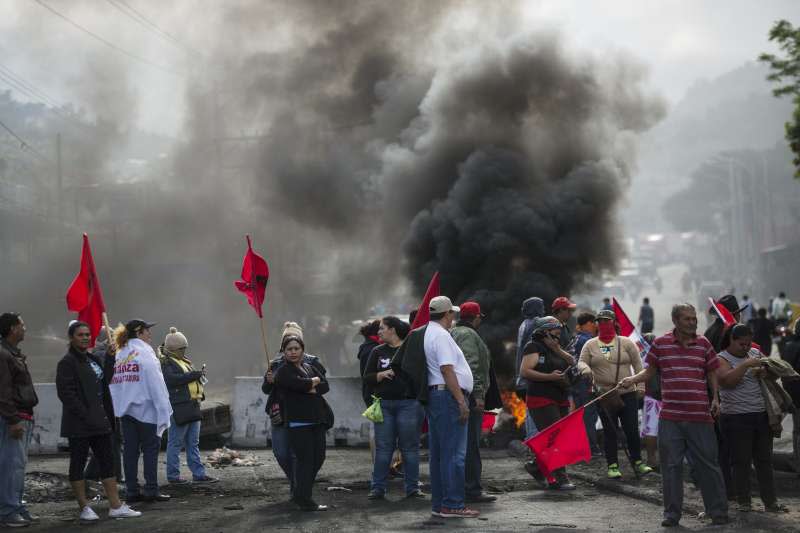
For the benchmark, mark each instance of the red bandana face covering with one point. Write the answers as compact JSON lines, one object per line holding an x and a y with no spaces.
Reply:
{"x":606,"y":331}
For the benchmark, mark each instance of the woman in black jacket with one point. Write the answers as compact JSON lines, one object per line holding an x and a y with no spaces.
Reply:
{"x":185,"y":386}
{"x":87,"y":418}
{"x":300,"y":388}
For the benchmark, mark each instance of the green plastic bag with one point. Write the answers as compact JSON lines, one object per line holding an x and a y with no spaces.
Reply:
{"x":374,"y":412}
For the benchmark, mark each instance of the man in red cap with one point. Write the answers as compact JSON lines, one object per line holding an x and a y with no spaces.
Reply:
{"x":563,"y":309}
{"x":477,"y":354}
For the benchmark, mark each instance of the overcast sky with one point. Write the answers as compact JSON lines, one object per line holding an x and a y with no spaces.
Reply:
{"x":680,"y":40}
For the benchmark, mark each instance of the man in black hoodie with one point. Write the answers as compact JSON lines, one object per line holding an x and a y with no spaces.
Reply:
{"x":532,"y":308}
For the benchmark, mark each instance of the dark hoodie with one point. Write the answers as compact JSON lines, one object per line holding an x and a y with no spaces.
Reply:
{"x":532,"y":308}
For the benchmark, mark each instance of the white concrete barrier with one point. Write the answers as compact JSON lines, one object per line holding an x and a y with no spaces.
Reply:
{"x":46,"y":421}
{"x":252,"y":429}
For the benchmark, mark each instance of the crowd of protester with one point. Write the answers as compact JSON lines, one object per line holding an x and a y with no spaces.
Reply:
{"x":712,"y":401}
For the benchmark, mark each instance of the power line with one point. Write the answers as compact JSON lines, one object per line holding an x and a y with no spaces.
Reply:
{"x":135,"y":15}
{"x":107,"y":42}
{"x":24,"y":145}
{"x":37,"y":93}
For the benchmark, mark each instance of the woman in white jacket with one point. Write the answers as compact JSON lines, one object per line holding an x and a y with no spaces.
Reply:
{"x":141,"y":402}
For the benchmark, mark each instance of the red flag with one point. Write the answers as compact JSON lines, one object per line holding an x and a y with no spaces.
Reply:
{"x":627,"y":329}
{"x":723,"y":313}
{"x":424,"y":312}
{"x":84,"y":296}
{"x":562,"y":443}
{"x":255,"y":274}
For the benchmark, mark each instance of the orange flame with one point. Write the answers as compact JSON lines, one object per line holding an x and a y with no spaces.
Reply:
{"x":515,"y":406}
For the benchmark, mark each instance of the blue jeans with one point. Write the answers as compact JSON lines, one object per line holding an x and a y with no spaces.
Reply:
{"x":447,"y":439}
{"x":186,"y":436}
{"x":402,"y":421}
{"x":13,"y":459}
{"x":530,"y":425}
{"x":140,"y":437}
{"x":283,"y":452}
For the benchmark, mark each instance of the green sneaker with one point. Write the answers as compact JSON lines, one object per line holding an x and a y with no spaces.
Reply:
{"x":613,"y":471}
{"x":642,"y":468}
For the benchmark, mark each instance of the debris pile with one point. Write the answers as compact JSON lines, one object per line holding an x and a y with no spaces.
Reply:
{"x":222,"y":457}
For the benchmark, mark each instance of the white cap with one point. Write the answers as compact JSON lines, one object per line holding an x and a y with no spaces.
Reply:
{"x":442,"y":304}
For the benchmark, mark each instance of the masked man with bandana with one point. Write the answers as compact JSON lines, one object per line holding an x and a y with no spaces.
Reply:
{"x":610,"y":357}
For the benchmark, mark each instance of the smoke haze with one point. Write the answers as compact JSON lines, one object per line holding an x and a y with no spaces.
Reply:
{"x":366,"y":146}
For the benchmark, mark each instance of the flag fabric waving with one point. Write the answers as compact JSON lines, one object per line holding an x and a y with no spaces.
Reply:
{"x":628,"y":329}
{"x":723,"y":312}
{"x":255,"y":275}
{"x":84,"y":295}
{"x":562,"y":443}
{"x":424,"y":312}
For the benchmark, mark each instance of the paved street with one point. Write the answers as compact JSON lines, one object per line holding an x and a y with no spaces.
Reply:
{"x":256,"y":498}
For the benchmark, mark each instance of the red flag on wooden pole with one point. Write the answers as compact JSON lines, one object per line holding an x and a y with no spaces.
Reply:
{"x":424,"y":312}
{"x":84,"y":295}
{"x":562,"y":443}
{"x":255,"y":275}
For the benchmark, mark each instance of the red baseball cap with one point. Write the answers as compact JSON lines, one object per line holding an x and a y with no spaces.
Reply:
{"x":562,"y":302}
{"x":470,"y":309}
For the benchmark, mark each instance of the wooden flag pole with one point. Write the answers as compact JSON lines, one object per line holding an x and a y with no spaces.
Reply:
{"x":108,"y":329}
{"x":264,"y":340}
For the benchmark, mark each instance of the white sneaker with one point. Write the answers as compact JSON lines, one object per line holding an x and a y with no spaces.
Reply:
{"x":123,"y":511}
{"x":88,"y":515}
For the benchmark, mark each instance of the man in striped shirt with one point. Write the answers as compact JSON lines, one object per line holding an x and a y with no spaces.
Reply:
{"x":688,"y":365}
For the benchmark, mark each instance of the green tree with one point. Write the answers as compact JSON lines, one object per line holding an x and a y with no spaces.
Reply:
{"x":786,"y":73}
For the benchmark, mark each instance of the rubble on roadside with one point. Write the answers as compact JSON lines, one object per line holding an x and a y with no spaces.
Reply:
{"x":222,"y":457}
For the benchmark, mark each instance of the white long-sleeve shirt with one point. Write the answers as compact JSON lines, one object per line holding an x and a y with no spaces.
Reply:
{"x":138,"y":387}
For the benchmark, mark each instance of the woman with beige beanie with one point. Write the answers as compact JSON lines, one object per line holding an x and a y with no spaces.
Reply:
{"x":185,"y":385}
{"x":279,"y":430}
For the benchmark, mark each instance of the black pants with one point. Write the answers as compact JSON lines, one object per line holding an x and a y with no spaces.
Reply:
{"x":308,"y":445}
{"x":750,"y":439}
{"x":628,"y":416}
{"x":79,"y":453}
{"x":93,"y":468}
{"x":472,"y":464}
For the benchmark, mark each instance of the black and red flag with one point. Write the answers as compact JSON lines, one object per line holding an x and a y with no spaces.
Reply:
{"x":255,"y":275}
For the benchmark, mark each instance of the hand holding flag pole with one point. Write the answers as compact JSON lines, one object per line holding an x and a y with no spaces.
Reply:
{"x":255,"y":275}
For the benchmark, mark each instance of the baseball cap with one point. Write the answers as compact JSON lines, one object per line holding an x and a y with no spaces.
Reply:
{"x":471,"y":309}
{"x":606,"y":314}
{"x":442,"y":304}
{"x":137,"y":323}
{"x":562,"y":302}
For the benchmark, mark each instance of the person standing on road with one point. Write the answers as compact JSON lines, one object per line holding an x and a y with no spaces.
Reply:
{"x":532,"y":309}
{"x":17,"y":400}
{"x":610,"y":357}
{"x":477,"y":354}
{"x":87,"y":419}
{"x":744,"y":419}
{"x":780,"y":309}
{"x":581,"y":391}
{"x":185,"y":385}
{"x":449,"y":382}
{"x":688,"y":365}
{"x":402,"y":413}
{"x":141,"y":401}
{"x":563,"y":309}
{"x":301,"y":387}
{"x":279,"y":429}
{"x":543,"y":365}
{"x":646,"y":317}
{"x":791,"y":354}
{"x":763,"y":329}
{"x":748,"y":311}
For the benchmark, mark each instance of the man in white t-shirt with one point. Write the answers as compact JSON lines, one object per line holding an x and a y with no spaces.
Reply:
{"x":449,"y":385}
